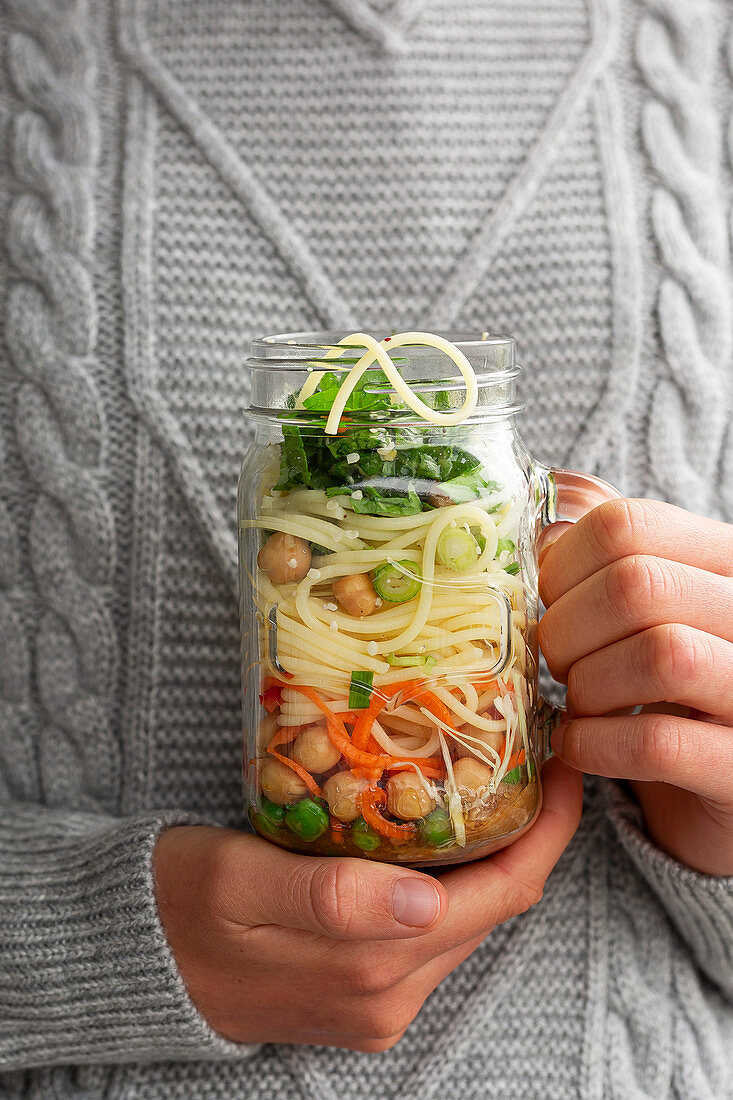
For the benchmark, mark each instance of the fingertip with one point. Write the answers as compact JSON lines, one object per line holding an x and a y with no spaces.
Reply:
{"x":547,"y":539}
{"x":557,"y":737}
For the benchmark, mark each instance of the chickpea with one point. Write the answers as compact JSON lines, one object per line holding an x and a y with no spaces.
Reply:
{"x":315,"y":750}
{"x":471,"y":773}
{"x":406,"y":796}
{"x":281,"y":784}
{"x":267,"y":728}
{"x":285,"y":558}
{"x":494,"y":740}
{"x":356,"y":594}
{"x":343,"y":792}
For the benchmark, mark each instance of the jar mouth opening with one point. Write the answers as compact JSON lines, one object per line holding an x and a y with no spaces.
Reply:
{"x":281,"y":364}
{"x":488,"y":353}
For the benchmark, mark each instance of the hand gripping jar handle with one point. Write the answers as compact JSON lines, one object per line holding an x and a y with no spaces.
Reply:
{"x":565,"y":496}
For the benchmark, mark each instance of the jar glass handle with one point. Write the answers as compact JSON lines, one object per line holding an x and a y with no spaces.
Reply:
{"x":565,"y":497}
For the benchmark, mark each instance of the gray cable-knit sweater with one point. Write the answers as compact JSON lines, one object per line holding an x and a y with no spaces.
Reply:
{"x":178,"y":175}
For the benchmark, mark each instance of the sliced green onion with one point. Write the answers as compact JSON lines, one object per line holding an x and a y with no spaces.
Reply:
{"x":398,"y":583}
{"x":512,"y":568}
{"x":360,"y":690}
{"x":505,"y":545}
{"x":457,"y":549}
{"x":410,"y":660}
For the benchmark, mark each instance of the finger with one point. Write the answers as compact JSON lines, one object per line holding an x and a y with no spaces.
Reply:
{"x":620,"y":528}
{"x":488,"y":892}
{"x":342,"y":898}
{"x":696,"y":756}
{"x":671,"y":663}
{"x":549,"y":536}
{"x":628,"y":596}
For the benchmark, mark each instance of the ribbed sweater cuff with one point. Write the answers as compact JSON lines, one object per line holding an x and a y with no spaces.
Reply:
{"x":700,"y":906}
{"x":86,"y":974}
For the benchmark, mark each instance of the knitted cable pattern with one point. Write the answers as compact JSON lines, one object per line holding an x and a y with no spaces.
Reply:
{"x":59,"y":421}
{"x":676,"y":51}
{"x":727,"y":469}
{"x":18,"y":772}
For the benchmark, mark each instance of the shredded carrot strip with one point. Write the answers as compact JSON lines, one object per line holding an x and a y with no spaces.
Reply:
{"x":372,"y":797}
{"x":284,"y":736}
{"x":430,"y":766}
{"x":377,"y":703}
{"x":270,"y":681}
{"x":338,"y":830}
{"x":516,"y":759}
{"x":434,"y":704}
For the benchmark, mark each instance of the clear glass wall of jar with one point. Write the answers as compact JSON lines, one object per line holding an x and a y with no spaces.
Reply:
{"x":388,"y":600}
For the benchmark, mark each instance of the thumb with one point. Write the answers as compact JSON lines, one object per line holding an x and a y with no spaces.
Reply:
{"x":340,"y":897}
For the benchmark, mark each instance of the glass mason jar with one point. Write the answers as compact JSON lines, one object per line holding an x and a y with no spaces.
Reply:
{"x":388,"y":603}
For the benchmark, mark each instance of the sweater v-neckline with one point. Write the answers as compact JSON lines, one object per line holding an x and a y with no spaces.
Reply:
{"x":386,"y":25}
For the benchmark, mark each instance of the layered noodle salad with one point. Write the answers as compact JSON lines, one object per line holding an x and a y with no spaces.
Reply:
{"x":396,"y":684}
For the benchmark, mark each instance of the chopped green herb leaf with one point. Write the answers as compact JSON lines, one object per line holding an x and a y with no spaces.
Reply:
{"x":293,"y":460}
{"x":374,"y":503}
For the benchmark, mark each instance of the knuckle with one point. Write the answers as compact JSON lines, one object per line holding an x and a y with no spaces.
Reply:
{"x":369,"y":978}
{"x":674,"y":658}
{"x":524,"y":894}
{"x":382,"y":1018}
{"x":616,"y":527}
{"x":634,"y":586}
{"x":379,"y":1046}
{"x":662,"y":746}
{"x":334,"y":896}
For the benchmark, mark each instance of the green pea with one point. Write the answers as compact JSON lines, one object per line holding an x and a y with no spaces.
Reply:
{"x":436,"y":828}
{"x":271,"y":810}
{"x":263,"y":824}
{"x":364,"y":836}
{"x":307,"y":819}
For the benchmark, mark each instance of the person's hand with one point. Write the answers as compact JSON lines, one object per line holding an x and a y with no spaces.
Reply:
{"x":640,"y":612}
{"x":276,"y":947}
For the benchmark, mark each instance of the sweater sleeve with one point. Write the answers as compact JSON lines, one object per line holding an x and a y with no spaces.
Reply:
{"x":86,"y":974}
{"x":700,"y":906}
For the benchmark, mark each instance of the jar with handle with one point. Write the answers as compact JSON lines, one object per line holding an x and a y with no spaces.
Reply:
{"x":389,"y":516}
